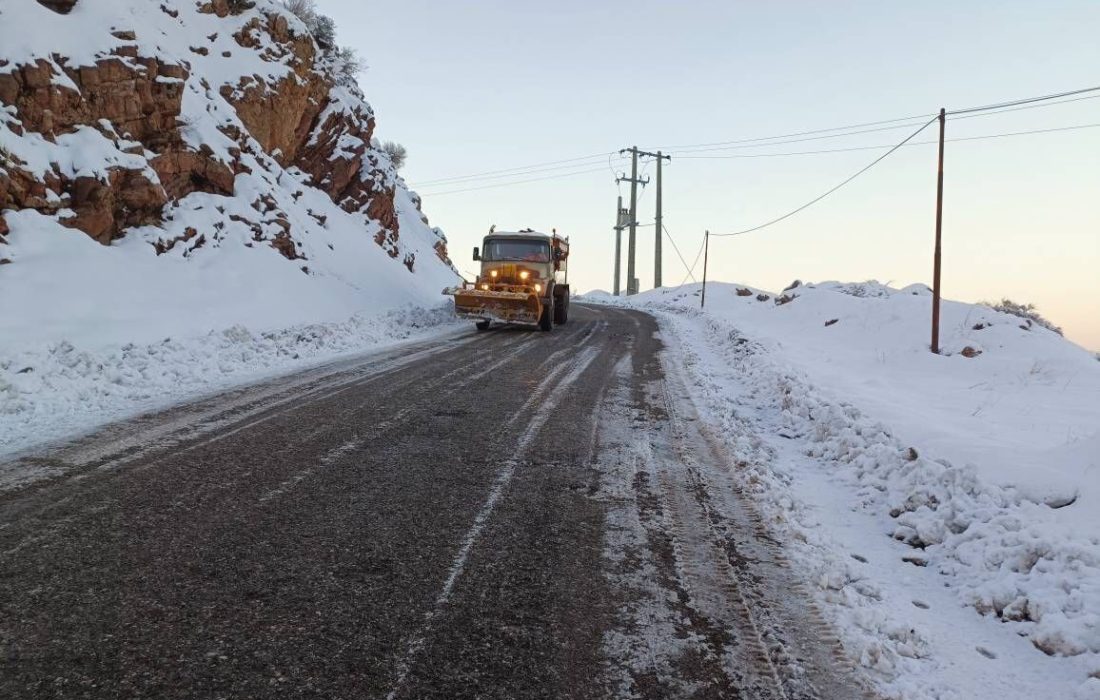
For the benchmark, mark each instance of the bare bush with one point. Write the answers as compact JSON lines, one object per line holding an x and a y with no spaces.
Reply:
{"x":320,"y":26}
{"x":1024,"y":311}
{"x":398,"y":154}
{"x":346,"y":66}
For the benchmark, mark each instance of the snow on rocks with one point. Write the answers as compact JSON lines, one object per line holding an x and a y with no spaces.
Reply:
{"x":184,"y":170}
{"x":906,"y":484}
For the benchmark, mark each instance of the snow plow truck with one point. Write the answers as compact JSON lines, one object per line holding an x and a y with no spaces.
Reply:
{"x":523,"y":280}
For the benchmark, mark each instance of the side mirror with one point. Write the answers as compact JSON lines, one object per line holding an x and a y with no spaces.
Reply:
{"x":559,"y":255}
{"x":477,"y":253}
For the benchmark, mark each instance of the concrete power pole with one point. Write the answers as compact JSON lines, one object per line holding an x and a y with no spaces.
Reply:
{"x":631,"y":287}
{"x":618,"y":242}
{"x":631,"y":241}
{"x":659,"y":223}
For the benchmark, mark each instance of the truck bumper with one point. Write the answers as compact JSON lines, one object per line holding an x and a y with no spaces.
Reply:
{"x":500,"y":306}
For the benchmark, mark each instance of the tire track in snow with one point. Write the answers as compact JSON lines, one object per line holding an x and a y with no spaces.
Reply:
{"x":804,"y":656}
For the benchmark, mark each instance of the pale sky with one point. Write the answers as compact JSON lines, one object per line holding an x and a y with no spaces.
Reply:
{"x":470,"y":87}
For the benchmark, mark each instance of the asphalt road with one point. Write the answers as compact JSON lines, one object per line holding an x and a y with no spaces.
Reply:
{"x":509,"y":514}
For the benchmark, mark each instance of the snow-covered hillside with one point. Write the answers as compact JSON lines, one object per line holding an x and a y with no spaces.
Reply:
{"x":183,"y":174}
{"x":929,"y":495}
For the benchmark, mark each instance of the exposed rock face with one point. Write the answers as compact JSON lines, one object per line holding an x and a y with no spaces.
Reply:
{"x":334,"y":169}
{"x":103,"y":209}
{"x":123,"y":151}
{"x":127,"y":99}
{"x":280,"y":116}
{"x":140,"y":97}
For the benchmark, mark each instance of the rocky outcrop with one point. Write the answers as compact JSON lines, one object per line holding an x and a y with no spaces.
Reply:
{"x":301,"y":123}
{"x":281,"y":115}
{"x":110,"y":145}
{"x":334,"y":166}
{"x":139,"y":97}
{"x":104,"y":208}
{"x":135,"y":103}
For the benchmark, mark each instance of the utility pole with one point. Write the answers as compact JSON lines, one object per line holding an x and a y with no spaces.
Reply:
{"x":937,"y":254}
{"x":659,"y":223}
{"x":619,"y":219}
{"x":631,"y":241}
{"x":706,"y":252}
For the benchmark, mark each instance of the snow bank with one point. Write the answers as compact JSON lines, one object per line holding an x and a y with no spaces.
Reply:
{"x":983,"y":468}
{"x":52,"y":390}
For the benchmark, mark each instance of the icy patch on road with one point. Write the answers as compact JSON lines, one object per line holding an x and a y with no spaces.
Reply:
{"x":56,"y":390}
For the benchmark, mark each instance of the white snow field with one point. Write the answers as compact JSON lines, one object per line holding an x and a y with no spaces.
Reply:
{"x":947,"y":507}
{"x":92,"y":333}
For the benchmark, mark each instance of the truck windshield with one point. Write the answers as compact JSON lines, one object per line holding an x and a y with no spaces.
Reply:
{"x":527,"y":251}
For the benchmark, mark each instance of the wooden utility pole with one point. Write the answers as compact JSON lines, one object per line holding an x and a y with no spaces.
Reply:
{"x":618,"y":242}
{"x":937,"y":254}
{"x":706,"y":251}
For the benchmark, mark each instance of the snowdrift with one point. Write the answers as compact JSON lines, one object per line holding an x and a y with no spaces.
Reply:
{"x":983,"y":463}
{"x":176,"y":173}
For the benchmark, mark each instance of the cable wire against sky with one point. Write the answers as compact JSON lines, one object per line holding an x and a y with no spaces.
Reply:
{"x":473,"y":176}
{"x":695,"y":263}
{"x":980,"y":137}
{"x":852,"y":129}
{"x":886,"y":145}
{"x":677,"y":249}
{"x":517,"y":182}
{"x":820,"y":197}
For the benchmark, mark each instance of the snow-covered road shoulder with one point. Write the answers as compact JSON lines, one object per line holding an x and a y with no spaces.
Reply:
{"x":929,"y":498}
{"x":51,"y":391}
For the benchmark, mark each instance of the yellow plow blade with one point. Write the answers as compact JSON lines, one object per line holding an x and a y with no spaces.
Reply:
{"x":501,"y":306}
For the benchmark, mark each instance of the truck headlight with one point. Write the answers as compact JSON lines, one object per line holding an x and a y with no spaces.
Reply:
{"x":492,"y":273}
{"x":524,"y":275}
{"x":485,"y":287}
{"x":538,"y":287}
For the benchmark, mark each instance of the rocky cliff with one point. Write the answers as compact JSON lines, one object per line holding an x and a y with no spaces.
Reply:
{"x":192,"y":126}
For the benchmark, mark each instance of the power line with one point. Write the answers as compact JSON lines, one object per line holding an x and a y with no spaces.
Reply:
{"x":797,"y":133}
{"x":966,"y":114}
{"x":745,"y":145}
{"x":517,"y":182}
{"x":970,"y":115}
{"x":1000,"y":106}
{"x":475,"y":176}
{"x":817,"y":199}
{"x":886,"y":145}
{"x":852,"y":129}
{"x":1026,"y":100}
{"x":505,"y":176}
{"x":1029,"y":106}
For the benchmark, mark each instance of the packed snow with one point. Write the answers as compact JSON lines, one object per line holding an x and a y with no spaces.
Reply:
{"x":946,"y":505}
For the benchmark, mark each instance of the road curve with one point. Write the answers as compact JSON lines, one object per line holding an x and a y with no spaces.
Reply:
{"x":509,"y":514}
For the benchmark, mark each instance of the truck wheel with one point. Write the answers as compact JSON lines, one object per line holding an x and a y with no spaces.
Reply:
{"x":546,"y":321}
{"x":561,"y":310}
{"x":483,"y":325}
